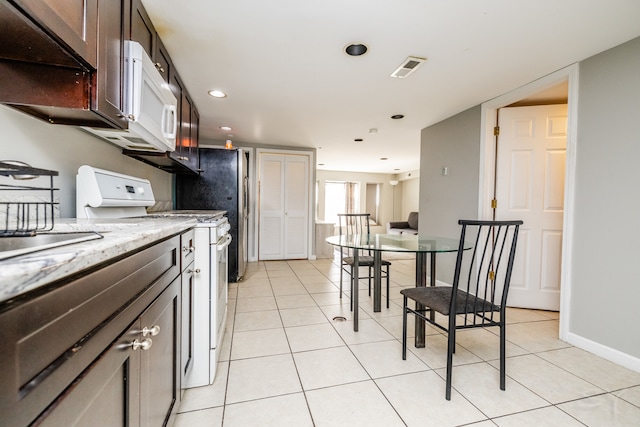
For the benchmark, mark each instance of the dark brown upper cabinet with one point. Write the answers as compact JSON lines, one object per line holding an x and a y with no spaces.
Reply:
{"x":65,"y":69}
{"x":142,"y":29}
{"x":163,"y":61}
{"x":65,"y":61}
{"x":109,"y":91}
{"x":71,"y":22}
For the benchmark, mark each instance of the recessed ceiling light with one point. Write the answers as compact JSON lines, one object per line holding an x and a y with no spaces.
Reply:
{"x":320,"y":164}
{"x":384,"y":158}
{"x":397,"y":116}
{"x":216,"y":93}
{"x":356,"y":49}
{"x":225,"y":128}
{"x":358,"y":140}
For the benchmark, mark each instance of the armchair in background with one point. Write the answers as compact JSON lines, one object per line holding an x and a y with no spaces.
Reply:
{"x":410,"y":226}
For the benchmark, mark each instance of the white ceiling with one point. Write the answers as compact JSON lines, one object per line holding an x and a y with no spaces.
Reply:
{"x":289,"y":82}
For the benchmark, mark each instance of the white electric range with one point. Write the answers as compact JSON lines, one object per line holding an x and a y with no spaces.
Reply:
{"x":105,"y":194}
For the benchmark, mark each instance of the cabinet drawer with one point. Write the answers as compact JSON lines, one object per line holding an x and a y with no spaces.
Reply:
{"x":51,"y":338}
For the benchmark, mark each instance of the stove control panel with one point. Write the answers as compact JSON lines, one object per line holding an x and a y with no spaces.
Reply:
{"x":98,"y":189}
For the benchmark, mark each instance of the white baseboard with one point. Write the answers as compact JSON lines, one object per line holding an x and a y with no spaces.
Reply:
{"x":611,"y":354}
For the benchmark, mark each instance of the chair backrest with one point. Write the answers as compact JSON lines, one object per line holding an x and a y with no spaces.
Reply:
{"x":351,"y":224}
{"x":484,"y":271}
{"x":354,"y":224}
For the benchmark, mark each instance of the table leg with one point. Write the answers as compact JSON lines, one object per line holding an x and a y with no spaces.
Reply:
{"x":421,"y":280}
{"x":377,"y":281}
{"x":356,"y":289}
{"x":432,"y":280}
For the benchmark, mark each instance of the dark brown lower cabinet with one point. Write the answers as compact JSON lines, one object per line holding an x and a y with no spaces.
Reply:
{"x":98,"y":350}
{"x":135,"y":382}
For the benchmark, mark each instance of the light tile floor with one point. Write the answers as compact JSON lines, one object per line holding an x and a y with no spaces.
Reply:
{"x":285,"y":362}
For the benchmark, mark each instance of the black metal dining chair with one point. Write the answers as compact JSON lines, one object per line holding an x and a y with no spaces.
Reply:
{"x":478,"y":295}
{"x":358,"y":224}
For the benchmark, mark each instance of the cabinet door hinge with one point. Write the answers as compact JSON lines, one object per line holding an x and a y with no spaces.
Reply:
{"x":496,"y":131}
{"x":494,"y":203}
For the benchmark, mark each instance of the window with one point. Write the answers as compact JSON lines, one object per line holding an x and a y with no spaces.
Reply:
{"x":373,"y":201}
{"x":340,"y":197}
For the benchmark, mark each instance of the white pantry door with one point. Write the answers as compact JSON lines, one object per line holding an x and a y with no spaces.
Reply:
{"x":284,"y":206}
{"x":530,"y":186}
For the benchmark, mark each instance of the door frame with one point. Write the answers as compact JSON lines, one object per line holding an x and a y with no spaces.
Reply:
{"x":311,"y":253}
{"x":487,"y":167}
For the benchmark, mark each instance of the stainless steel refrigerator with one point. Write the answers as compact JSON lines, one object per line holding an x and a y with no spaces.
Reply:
{"x":223,"y":185}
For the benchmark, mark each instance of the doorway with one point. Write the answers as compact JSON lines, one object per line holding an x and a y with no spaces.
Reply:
{"x":529,"y":185}
{"x":527,"y":93}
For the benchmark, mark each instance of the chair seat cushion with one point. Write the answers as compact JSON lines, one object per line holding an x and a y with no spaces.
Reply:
{"x":363,"y":261}
{"x":438,"y":298}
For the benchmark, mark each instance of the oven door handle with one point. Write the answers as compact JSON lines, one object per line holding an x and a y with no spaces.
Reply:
{"x":227,"y":242}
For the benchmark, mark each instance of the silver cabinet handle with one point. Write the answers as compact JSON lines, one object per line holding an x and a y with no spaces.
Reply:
{"x":145,"y":344}
{"x":159,"y":67}
{"x":196,"y":271}
{"x":153,"y":331}
{"x":188,"y":249}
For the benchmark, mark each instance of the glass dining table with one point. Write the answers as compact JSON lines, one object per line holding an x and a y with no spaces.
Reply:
{"x":378,"y":243}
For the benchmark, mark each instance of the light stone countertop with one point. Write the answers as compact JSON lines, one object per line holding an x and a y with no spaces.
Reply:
{"x":25,"y":273}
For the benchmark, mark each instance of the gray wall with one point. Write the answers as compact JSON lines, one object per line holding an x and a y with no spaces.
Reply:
{"x":65,"y":149}
{"x":453,"y":143}
{"x":605,"y":288}
{"x":606,"y":247}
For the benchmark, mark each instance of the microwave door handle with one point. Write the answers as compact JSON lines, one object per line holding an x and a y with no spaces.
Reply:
{"x":169,"y":122}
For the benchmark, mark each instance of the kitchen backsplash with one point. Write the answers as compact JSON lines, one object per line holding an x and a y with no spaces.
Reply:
{"x":161,"y":206}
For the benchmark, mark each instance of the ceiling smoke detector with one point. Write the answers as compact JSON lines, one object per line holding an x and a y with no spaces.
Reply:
{"x":408,"y":66}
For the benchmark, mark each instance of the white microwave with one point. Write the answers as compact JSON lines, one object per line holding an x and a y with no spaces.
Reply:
{"x":150,"y":106}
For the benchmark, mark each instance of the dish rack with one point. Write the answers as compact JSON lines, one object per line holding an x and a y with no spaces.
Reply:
{"x":26,"y":209}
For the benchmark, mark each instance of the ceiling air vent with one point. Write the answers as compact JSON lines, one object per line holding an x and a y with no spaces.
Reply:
{"x":408,"y":66}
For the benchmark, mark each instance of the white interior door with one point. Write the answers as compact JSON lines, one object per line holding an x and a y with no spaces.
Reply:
{"x":284,"y":207}
{"x":530,"y":174}
{"x":271,"y":225}
{"x":296,"y":219}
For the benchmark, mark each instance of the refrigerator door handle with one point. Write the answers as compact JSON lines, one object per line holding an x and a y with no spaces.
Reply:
{"x":246,"y":195}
